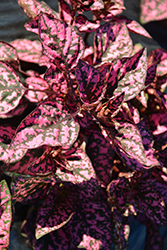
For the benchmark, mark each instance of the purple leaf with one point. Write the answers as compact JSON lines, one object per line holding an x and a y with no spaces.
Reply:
{"x":91,"y":83}
{"x":51,"y":123}
{"x":9,"y":54}
{"x":60,"y":42}
{"x":159,"y":56}
{"x":27,"y":50}
{"x":111,"y":41}
{"x":101,"y":154}
{"x":55,"y":211}
{"x":11,"y":88}
{"x":151,"y":73}
{"x":29,"y":189}
{"x":5,"y":214}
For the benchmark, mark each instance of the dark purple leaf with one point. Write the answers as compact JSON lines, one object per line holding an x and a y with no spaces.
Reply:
{"x":101,"y":154}
{"x":91,"y":83}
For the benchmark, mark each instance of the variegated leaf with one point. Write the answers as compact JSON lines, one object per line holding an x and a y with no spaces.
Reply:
{"x":27,"y":50}
{"x":36,"y":83}
{"x":8,"y":54}
{"x":101,"y":154}
{"x":32,"y":8}
{"x":11,"y":88}
{"x":29,"y":189}
{"x":60,"y":42}
{"x":90,"y":81}
{"x":85,"y":25}
{"x":134,"y":80}
{"x":51,"y":123}
{"x":55,"y":211}
{"x":111,"y":41}
{"x":5,"y":214}
{"x":152,"y":10}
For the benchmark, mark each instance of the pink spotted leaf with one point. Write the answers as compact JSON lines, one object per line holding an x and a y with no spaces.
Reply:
{"x":111,"y":41}
{"x":8,"y":155}
{"x":32,"y":8}
{"x":9,"y":54}
{"x":21,"y":167}
{"x":36,"y":83}
{"x":27,"y":50}
{"x":66,"y":13}
{"x":152,"y":10}
{"x":78,"y":168}
{"x":5,"y":214}
{"x":134,"y":80}
{"x":91,"y":83}
{"x":51,"y":123}
{"x":11,"y":88}
{"x":60,"y":42}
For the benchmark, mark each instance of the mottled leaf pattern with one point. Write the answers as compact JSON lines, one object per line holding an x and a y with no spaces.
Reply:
{"x":28,"y":50}
{"x":5,"y":214}
{"x":11,"y":88}
{"x":133,"y":81}
{"x":50,"y":123}
{"x":8,"y":54}
{"x":60,"y":42}
{"x":101,"y":154}
{"x":90,"y":82}
{"x":111,"y":41}
{"x":32,"y":8}
{"x":152,"y":10}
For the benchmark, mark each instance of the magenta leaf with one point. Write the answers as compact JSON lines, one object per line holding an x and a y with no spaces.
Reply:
{"x":11,"y":88}
{"x":9,"y":54}
{"x":111,"y":41}
{"x":36,"y":83}
{"x":66,"y":13}
{"x":32,"y":8}
{"x":51,"y":123}
{"x":5,"y":214}
{"x":151,"y":73}
{"x":29,"y":189}
{"x":27,"y":50}
{"x":21,"y":166}
{"x":44,"y":165}
{"x":102,"y":155}
{"x":159,"y":56}
{"x":85,"y":25}
{"x":60,"y":42}
{"x":91,"y":83}
{"x":134,"y":80}
{"x":6,"y":154}
{"x":152,"y":10}
{"x":56,"y":79}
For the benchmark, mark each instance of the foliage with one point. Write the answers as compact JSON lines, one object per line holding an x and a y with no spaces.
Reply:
{"x":92,"y":153}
